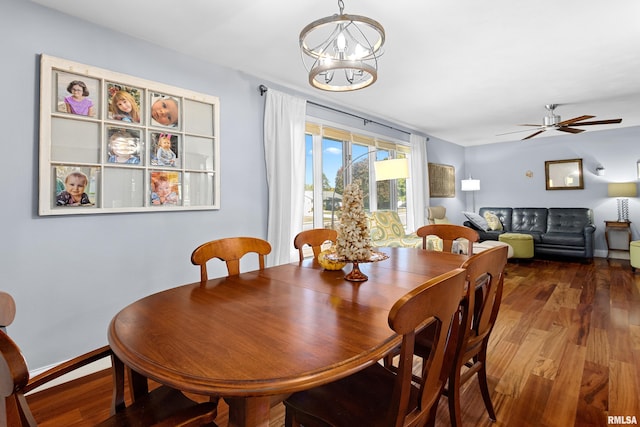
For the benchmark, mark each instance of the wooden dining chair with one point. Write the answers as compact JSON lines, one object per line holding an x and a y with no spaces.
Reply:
{"x":7,"y":310}
{"x":448,"y":233}
{"x":479,"y":310}
{"x":314,"y":238}
{"x":377,"y":396}
{"x":230,"y":250}
{"x":163,"y":406}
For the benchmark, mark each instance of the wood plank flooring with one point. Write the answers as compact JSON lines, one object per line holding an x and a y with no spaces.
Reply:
{"x":565,"y":352}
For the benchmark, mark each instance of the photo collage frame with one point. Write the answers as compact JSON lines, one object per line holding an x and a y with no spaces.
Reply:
{"x":116,"y":143}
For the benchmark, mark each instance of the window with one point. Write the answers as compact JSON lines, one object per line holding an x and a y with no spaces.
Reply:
{"x":335,"y":157}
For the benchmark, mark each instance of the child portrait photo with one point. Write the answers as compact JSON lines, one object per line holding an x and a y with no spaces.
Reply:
{"x":77,"y":95}
{"x":123,"y":103}
{"x":165,"y":110}
{"x":165,"y":188}
{"x":164,"y":149}
{"x":75,"y":186}
{"x":123,"y":145}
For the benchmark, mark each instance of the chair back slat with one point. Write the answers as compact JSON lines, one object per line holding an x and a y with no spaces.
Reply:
{"x":448,"y":233}
{"x":7,"y":310}
{"x":229,"y":250}
{"x":314,"y":238}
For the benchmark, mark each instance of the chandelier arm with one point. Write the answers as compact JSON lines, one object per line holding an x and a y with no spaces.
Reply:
{"x":314,"y":51}
{"x":374,"y":51}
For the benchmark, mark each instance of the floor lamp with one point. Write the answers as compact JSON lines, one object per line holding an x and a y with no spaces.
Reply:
{"x":472,"y":185}
{"x":383,"y":170}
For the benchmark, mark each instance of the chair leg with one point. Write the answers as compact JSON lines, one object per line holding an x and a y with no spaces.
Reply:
{"x":388,"y":361}
{"x":484,"y":387}
{"x":453,"y":394}
{"x":431,"y":421}
{"x":289,"y":419}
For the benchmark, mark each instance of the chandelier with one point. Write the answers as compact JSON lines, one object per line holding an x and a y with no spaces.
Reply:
{"x":341,"y":51}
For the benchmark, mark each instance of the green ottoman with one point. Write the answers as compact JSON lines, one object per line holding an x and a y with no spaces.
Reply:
{"x":634,"y":254}
{"x":522,"y":244}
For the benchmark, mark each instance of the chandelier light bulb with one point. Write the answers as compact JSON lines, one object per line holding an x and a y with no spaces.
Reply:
{"x":341,"y":43}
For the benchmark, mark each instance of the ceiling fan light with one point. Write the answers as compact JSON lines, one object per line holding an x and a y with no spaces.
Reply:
{"x":551,"y":120}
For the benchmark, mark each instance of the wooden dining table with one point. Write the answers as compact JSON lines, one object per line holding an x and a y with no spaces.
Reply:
{"x":257,"y":335}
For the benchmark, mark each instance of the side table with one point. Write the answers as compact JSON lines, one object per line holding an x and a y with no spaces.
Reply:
{"x":617,"y":227}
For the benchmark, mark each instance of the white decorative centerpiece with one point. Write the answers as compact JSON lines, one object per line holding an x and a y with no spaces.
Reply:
{"x":354,"y":242}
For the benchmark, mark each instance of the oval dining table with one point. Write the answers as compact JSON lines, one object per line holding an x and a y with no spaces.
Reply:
{"x":266,"y":333}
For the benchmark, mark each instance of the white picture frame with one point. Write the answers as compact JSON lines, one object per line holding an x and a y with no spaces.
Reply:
{"x":108,"y":127}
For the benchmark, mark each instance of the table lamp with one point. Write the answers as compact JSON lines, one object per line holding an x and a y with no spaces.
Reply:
{"x":622,"y":191}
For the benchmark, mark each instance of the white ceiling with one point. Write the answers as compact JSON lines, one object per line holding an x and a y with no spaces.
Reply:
{"x":462,"y":71}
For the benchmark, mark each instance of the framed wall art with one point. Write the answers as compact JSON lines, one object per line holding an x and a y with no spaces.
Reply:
{"x":112,"y":143}
{"x":442,"y":180}
{"x":564,"y":174}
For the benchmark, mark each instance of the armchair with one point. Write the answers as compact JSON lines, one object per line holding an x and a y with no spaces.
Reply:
{"x":387,"y":230}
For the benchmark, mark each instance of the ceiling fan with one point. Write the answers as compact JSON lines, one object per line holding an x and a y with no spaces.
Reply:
{"x":553,"y":121}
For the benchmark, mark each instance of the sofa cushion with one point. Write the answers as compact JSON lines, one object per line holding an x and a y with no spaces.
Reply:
{"x":568,"y":220}
{"x":477,"y":220}
{"x":385,"y":225}
{"x":493,"y":221}
{"x":563,"y":239}
{"x":386,"y":230}
{"x":526,"y":220}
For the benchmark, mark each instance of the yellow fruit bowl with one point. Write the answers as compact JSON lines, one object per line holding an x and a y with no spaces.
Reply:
{"x":328,"y":264}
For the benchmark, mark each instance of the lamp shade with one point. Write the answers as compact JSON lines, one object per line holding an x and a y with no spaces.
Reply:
{"x":622,"y":189}
{"x":391,"y":169}
{"x":470,"y":184}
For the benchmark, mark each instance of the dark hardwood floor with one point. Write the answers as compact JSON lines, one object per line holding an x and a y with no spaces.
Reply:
{"x":565,"y":352}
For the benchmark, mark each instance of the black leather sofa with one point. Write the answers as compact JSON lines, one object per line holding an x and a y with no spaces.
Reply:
{"x":555,"y":231}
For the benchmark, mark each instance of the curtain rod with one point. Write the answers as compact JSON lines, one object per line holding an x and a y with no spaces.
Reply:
{"x":366,"y":121}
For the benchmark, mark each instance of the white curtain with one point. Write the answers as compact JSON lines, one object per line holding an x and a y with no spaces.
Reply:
{"x":284,"y":146}
{"x":418,"y":185}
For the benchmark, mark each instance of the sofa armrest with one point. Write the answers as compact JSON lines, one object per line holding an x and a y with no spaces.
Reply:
{"x":589,"y":244}
{"x":470,"y":225}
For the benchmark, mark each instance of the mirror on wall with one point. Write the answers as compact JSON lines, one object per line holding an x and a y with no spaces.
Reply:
{"x":564,"y":174}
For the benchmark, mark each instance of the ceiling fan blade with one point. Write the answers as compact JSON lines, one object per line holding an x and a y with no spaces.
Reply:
{"x":599,"y":122}
{"x":570,"y":130}
{"x":534,"y":134}
{"x":575,"y":119}
{"x":527,"y":124}
{"x":518,"y":131}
